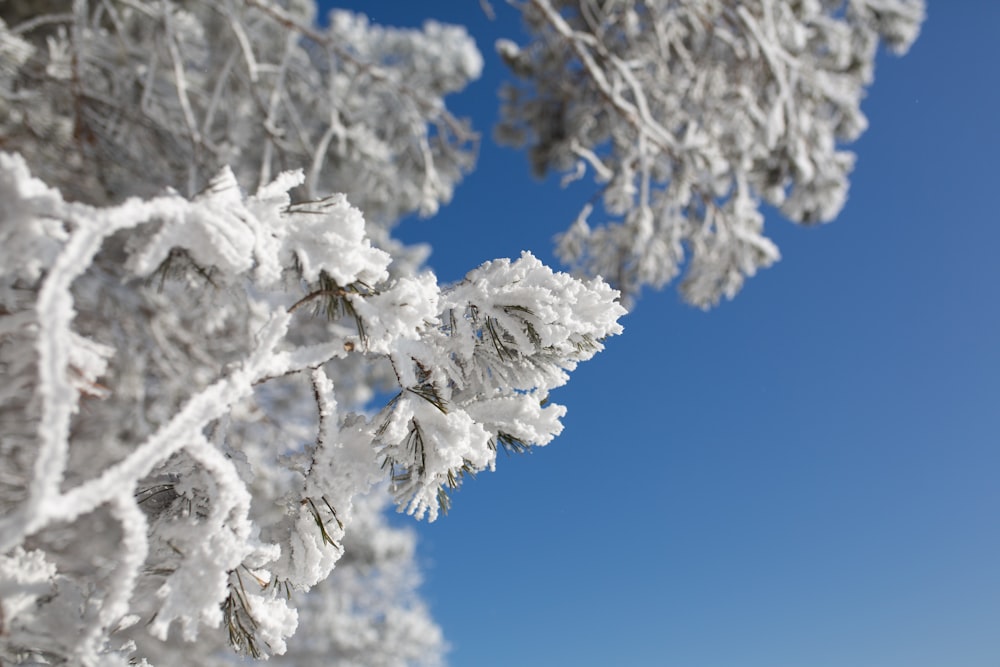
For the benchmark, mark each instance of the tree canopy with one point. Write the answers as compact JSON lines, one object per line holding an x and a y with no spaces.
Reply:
{"x":216,"y":355}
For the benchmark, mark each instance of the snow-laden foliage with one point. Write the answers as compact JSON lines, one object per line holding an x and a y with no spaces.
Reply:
{"x":98,"y":92}
{"x":218,"y":365}
{"x":691,"y":114}
{"x":176,"y":457}
{"x":108,"y":100}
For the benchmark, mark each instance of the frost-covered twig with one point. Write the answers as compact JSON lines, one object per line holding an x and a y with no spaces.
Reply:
{"x":194,"y":512}
{"x":692,"y":115}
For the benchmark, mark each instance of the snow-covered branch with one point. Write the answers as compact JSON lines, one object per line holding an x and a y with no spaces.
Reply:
{"x":219,"y":366}
{"x":170,"y":457}
{"x":692,"y":115}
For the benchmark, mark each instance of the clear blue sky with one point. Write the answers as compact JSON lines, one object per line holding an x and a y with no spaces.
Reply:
{"x":807,"y":476}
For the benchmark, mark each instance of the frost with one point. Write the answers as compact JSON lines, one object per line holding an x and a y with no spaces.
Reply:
{"x":329,"y":236}
{"x":211,"y":232}
{"x":24,"y":576}
{"x":209,"y":518}
{"x":750,"y":108}
{"x":220,"y":366}
{"x":506,"y":335}
{"x":32,"y":233}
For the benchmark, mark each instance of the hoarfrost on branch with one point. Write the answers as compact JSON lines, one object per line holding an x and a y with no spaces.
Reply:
{"x":219,"y":365}
{"x":691,"y":114}
{"x":218,"y":508}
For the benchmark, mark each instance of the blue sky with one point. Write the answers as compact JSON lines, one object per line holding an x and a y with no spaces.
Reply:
{"x":804,"y":476}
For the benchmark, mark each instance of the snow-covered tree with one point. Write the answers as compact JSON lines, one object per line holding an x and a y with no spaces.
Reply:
{"x":216,"y":358}
{"x":691,"y":114}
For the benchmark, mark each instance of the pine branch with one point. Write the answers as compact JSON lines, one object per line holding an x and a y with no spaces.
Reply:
{"x":511,"y":443}
{"x":522,"y":313}
{"x":178,"y":265}
{"x":240,"y":622}
{"x":454,"y":480}
{"x":427,"y":390}
{"x":327,"y":539}
{"x":334,"y":301}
